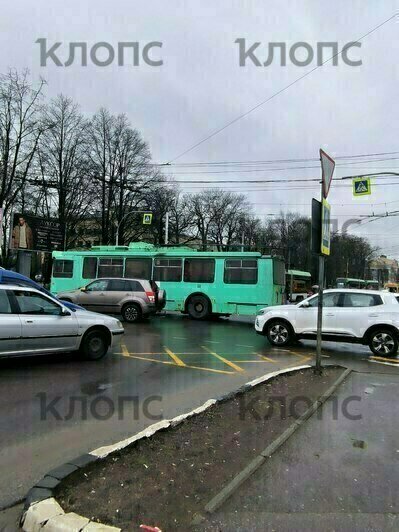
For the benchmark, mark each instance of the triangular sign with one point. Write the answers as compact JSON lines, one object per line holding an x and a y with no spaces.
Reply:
{"x":327,"y":170}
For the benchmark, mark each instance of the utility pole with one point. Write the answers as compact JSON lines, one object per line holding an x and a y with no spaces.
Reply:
{"x":167,"y":229}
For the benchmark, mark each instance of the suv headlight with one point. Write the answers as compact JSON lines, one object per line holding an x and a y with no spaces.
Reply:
{"x":262,"y":311}
{"x":119,"y":324}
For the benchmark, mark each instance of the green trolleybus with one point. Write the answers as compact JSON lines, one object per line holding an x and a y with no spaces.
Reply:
{"x":196,"y":282}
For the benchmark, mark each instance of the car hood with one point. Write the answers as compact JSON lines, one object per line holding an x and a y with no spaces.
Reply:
{"x":278,"y":308}
{"x":100,"y":319}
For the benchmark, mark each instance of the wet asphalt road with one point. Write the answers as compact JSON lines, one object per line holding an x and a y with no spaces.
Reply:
{"x":163,"y":367}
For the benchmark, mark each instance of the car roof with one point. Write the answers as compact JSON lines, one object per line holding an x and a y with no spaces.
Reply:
{"x":120,"y":279}
{"x":356,"y":291}
{"x":17,"y":287}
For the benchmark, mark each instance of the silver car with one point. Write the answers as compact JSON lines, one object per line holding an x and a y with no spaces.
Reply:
{"x":32,"y":323}
{"x":132,"y":298}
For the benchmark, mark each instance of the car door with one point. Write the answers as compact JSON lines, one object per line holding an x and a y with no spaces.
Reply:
{"x":358,"y":312}
{"x":10,"y":326}
{"x":306,"y":316}
{"x":44,"y":327}
{"x":93,"y":297}
{"x":118,"y":289}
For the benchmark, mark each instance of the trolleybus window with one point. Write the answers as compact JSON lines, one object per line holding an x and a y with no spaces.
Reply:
{"x":63,"y":268}
{"x":199,"y":270}
{"x":110,"y":267}
{"x":167,"y":270}
{"x":89,"y":268}
{"x":241,"y":271}
{"x":138,"y":268}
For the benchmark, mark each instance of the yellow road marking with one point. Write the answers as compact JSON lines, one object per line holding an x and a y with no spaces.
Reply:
{"x":252,"y":361}
{"x":125,"y":351}
{"x":392,"y":360}
{"x":304,"y":359}
{"x":158,"y":353}
{"x":169,"y":363}
{"x":212,"y":370}
{"x":148,"y":359}
{"x":266,"y":358}
{"x":228,"y":362}
{"x":174,"y":357}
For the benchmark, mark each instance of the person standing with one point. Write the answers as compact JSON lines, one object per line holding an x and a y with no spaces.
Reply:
{"x":22,"y":235}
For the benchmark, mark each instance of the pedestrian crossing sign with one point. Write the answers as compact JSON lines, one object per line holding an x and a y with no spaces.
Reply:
{"x":361,"y":186}
{"x":147,"y":219}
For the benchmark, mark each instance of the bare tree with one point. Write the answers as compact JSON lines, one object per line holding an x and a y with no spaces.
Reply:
{"x":217,"y":215}
{"x":119,"y":160}
{"x":181,"y":226}
{"x":20,"y":129}
{"x":62,"y":162}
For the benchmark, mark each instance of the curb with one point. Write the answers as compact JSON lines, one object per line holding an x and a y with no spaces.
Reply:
{"x":42,"y":511}
{"x":217,"y":501}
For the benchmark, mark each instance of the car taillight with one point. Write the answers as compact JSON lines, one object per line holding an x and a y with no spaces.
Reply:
{"x":151,"y":296}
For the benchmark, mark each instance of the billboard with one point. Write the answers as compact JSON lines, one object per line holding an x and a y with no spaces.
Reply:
{"x":32,"y":233}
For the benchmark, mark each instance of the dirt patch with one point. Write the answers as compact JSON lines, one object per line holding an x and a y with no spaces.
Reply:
{"x":166,"y":479}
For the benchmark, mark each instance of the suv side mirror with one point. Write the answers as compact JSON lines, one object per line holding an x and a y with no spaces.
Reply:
{"x":305,"y":304}
{"x":65,"y":312}
{"x":83,"y":289}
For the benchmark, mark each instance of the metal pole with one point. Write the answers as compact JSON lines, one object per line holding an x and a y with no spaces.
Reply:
{"x":291,"y":285}
{"x":291,"y":279}
{"x":320,"y":315}
{"x":117,"y":236}
{"x":318,"y":369}
{"x":167,"y":229}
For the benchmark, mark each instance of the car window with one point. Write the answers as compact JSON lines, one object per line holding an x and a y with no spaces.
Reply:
{"x":329,"y":300}
{"x":119,"y":285}
{"x":32,"y":303}
{"x":136,"y":286}
{"x":98,"y":286}
{"x":361,"y":300}
{"x":5,"y":307}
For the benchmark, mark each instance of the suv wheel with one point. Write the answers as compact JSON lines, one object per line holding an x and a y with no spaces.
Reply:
{"x":383,"y":343}
{"x":131,"y":312}
{"x":94,"y":345}
{"x":279,"y":333}
{"x":198,"y":307}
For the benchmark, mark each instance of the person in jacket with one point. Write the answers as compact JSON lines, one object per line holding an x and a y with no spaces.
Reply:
{"x":22,"y":235}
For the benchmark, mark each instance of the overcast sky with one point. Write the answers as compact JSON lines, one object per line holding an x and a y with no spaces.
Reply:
{"x":200,"y":87}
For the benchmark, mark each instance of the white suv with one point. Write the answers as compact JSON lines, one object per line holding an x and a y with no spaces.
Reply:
{"x":368,"y":317}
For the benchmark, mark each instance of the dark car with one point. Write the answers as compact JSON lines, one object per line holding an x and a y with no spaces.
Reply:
{"x":17,"y":279}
